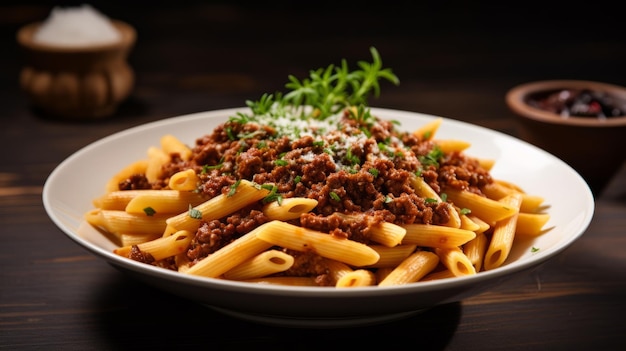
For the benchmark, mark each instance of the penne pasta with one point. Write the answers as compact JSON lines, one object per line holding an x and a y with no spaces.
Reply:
{"x":482,"y":225}
{"x":442,"y":274}
{"x":475,"y":250}
{"x":392,"y":256}
{"x":412,"y":269}
{"x":138,"y":167}
{"x":261,"y":265}
{"x":455,"y":260}
{"x":428,"y":130}
{"x":186,"y":180}
{"x":468,"y":224}
{"x":162,"y":247}
{"x":428,"y":235}
{"x":121,"y":222}
{"x":301,"y":239}
{"x":290,"y":208}
{"x":244,"y":194}
{"x":157,"y":158}
{"x":452,"y":145}
{"x":356,"y":278}
{"x":337,"y":269}
{"x":172,"y":145}
{"x":387,"y":234}
{"x":486,"y":164}
{"x":290,"y":281}
{"x":231,"y":255}
{"x":503,"y":235}
{"x":127,"y":239}
{"x":531,"y":224}
{"x":117,"y":199}
{"x":382,"y":273}
{"x":488,"y":210}
{"x":163,"y":201}
{"x":497,"y":190}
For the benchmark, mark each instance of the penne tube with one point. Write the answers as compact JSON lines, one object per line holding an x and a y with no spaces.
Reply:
{"x":429,"y":235}
{"x":387,"y":234}
{"x":456,"y":261}
{"x":117,"y":199}
{"x":531,"y":224}
{"x":452,"y":145}
{"x":162,"y":247}
{"x":186,"y":180}
{"x":290,"y":208}
{"x":138,"y":167}
{"x":488,"y":210}
{"x":136,"y":239}
{"x":482,"y":225}
{"x":356,"y":278}
{"x":486,"y":163}
{"x":498,"y":190}
{"x":392,"y":256}
{"x":468,"y":224}
{"x":306,"y":240}
{"x":412,"y":269}
{"x":118,"y":222}
{"x":156,"y":159}
{"x":182,"y":262}
{"x":163,"y":201}
{"x":382,"y":273}
{"x":290,"y":281}
{"x":337,"y":269}
{"x":230,"y":256}
{"x":442,"y":274}
{"x":245,"y":193}
{"x":428,"y":130}
{"x":172,"y":145}
{"x":475,"y":250}
{"x":261,"y":265}
{"x":503,"y":235}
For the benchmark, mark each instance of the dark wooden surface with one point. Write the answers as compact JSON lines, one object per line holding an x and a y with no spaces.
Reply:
{"x":454,"y":60}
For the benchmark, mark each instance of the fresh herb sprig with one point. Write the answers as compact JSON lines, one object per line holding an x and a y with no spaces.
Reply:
{"x":327,"y":91}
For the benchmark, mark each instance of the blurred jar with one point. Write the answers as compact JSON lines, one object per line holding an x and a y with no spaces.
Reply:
{"x":80,"y":81}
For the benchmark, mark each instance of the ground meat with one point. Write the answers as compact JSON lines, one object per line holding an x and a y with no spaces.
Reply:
{"x":358,"y":179}
{"x":137,"y":255}
{"x":135,"y":182}
{"x":308,"y":264}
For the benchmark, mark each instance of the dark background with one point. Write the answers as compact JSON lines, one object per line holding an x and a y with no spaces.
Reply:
{"x":193,"y":45}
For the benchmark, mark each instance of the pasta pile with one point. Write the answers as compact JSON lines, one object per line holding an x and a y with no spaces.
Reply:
{"x":270,"y":219}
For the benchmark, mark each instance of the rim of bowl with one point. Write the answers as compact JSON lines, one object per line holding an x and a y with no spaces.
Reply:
{"x":516,"y":100}
{"x":25,"y":38}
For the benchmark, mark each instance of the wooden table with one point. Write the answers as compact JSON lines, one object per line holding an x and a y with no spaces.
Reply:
{"x":456,"y":61}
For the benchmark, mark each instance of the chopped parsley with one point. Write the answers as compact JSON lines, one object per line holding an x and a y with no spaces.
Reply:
{"x":194,"y":213}
{"x":149,"y":211}
{"x":233,"y":188}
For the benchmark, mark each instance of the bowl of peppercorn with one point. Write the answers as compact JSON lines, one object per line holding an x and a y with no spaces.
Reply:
{"x":581,"y":122}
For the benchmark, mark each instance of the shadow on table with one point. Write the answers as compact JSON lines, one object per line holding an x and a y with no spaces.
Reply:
{"x":137,"y":315}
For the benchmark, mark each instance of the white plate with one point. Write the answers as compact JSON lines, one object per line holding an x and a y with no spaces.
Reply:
{"x":71,"y":187}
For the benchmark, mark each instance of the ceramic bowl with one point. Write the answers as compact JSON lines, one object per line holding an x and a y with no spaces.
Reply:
{"x":70,"y":189}
{"x":595,"y":147}
{"x":85,"y":82}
